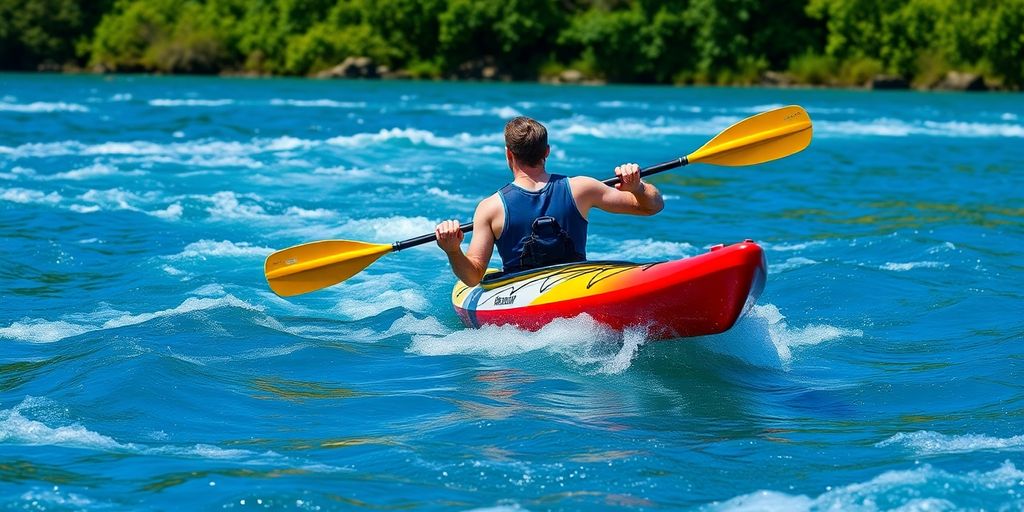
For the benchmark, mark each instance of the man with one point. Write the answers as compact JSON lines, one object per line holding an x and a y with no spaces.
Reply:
{"x":539,"y":219}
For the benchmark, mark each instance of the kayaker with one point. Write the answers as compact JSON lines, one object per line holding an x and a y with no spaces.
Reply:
{"x":539,"y":219}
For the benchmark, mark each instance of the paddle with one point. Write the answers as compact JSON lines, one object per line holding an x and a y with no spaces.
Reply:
{"x":761,"y":138}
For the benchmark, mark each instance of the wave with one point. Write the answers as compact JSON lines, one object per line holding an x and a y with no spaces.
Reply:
{"x":922,"y":488}
{"x":646,"y":249}
{"x":790,"y":264}
{"x":42,"y":107}
{"x":29,"y":196}
{"x":319,"y":103}
{"x":637,"y":129}
{"x":903,"y":267}
{"x":38,"y":330}
{"x":763,"y":338}
{"x":204,"y":249}
{"x":580,"y":341}
{"x":799,"y":246}
{"x":416,"y":137}
{"x":888,"y":127}
{"x":17,"y":426}
{"x":926,"y":442}
{"x":167,"y":102}
{"x":370,"y":295}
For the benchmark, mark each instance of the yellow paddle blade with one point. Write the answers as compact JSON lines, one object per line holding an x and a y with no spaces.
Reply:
{"x":309,"y":267}
{"x":762,"y":138}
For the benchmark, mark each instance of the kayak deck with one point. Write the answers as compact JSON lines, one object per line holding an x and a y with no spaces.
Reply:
{"x":695,"y":296}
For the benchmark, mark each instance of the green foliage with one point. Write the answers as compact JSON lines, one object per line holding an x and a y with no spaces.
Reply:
{"x":45,"y":31}
{"x":830,"y":42}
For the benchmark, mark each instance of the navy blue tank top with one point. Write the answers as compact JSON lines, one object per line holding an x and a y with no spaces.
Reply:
{"x":523,"y":207}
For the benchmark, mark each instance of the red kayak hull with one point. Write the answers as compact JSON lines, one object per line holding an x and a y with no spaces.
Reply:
{"x":696,"y":296}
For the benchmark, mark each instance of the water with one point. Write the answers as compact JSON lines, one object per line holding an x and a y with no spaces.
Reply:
{"x":145,"y":363}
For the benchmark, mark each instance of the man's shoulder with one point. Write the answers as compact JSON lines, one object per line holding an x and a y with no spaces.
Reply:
{"x":490,"y":203}
{"x":583,"y":183}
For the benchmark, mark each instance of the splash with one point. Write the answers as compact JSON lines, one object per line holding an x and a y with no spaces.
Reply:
{"x":763,"y":338}
{"x":580,"y":341}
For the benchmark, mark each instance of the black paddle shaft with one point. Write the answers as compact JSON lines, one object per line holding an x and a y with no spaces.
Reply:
{"x":466,"y":228}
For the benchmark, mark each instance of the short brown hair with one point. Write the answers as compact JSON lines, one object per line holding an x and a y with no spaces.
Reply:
{"x":527,"y":139}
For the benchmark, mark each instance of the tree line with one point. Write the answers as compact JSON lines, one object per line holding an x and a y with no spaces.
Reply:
{"x":826,"y":42}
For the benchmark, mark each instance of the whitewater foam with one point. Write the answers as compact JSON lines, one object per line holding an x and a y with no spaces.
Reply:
{"x":903,"y":267}
{"x":29,"y":196}
{"x":203,"y":249}
{"x":763,"y":338}
{"x":462,"y":141}
{"x":42,"y":107}
{"x":646,"y":249}
{"x":170,"y":102}
{"x":580,"y":341}
{"x":38,"y":330}
{"x":926,"y":442}
{"x":790,"y":264}
{"x":319,"y":103}
{"x":921,"y":489}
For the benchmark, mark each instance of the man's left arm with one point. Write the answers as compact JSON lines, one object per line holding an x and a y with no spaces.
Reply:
{"x":471,"y":266}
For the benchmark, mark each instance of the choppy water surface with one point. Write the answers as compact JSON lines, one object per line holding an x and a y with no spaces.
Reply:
{"x":146,"y":364}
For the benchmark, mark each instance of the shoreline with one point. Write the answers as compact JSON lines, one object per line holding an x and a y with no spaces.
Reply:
{"x":886,"y":85}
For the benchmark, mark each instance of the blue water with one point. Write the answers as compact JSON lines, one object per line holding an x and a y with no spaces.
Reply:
{"x":145,"y":364}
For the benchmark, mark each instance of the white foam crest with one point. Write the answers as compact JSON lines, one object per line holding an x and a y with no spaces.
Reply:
{"x":634,"y":129}
{"x":17,"y":429}
{"x":579,"y":340}
{"x":227,"y":205}
{"x":921,"y":489}
{"x":172,"y":102}
{"x":318,"y":103}
{"x":42,"y":107}
{"x":943,"y":247}
{"x":37,"y":330}
{"x":784,"y":247}
{"x":345,"y":172}
{"x":763,"y":338}
{"x":42,"y":498}
{"x":29,"y":196}
{"x":17,"y":172}
{"x":203,"y":249}
{"x":203,"y":152}
{"x":926,"y":442}
{"x":643,"y":249}
{"x":502,"y":112}
{"x":370,"y":298}
{"x":387,"y":229}
{"x":790,"y":264}
{"x":888,"y":127}
{"x":409,"y":324}
{"x":316,"y":213}
{"x":903,"y":267}
{"x":1008,"y":116}
{"x":449,"y":196}
{"x":92,"y":171}
{"x":248,"y":355}
{"x":414,"y":136}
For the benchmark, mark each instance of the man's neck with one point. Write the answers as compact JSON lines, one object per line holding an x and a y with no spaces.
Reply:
{"x":530,"y":178}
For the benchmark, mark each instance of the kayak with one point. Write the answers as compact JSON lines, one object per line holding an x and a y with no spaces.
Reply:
{"x":695,"y":296}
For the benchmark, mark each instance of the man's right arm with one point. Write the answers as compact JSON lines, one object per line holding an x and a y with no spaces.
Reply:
{"x":631,"y":196}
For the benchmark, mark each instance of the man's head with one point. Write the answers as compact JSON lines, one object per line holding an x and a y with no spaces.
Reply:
{"x":527,"y":141}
